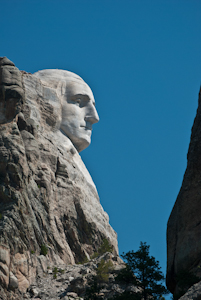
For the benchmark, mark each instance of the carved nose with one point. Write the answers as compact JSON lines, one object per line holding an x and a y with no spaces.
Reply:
{"x":92,"y":115}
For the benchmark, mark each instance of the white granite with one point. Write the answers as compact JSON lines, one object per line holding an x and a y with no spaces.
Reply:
{"x":78,"y":112}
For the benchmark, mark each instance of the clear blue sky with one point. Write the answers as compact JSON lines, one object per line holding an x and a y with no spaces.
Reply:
{"x":142,"y":60}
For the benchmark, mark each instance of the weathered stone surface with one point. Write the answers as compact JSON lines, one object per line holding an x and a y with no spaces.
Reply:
{"x":71,"y":281}
{"x":194,"y":293}
{"x":184,"y":225}
{"x":47,"y":196}
{"x":21,"y":271}
{"x":13,"y":281}
{"x":11,"y":90}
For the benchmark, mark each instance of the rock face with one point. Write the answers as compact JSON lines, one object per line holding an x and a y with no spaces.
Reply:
{"x":184,"y":225}
{"x":48,"y":200}
{"x":194,"y":293}
{"x":70,"y":282}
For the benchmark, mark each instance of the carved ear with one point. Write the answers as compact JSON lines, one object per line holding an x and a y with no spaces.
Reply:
{"x":12,"y":94}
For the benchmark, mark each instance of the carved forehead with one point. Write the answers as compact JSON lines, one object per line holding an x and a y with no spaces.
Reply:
{"x":64,"y":81}
{"x":52,"y":77}
{"x":76,"y":87}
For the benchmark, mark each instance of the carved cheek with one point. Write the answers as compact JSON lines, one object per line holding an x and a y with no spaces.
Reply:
{"x":69,"y":110}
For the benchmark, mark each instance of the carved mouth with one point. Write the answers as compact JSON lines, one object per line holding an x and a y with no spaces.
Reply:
{"x":86,"y":127}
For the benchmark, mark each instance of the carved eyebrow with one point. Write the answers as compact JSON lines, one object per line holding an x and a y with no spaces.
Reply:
{"x":85,"y":96}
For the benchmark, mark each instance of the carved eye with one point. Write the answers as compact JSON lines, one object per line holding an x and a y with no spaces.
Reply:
{"x":77,"y":101}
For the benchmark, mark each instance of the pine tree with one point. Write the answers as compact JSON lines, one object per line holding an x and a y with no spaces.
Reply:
{"x":147,"y":271}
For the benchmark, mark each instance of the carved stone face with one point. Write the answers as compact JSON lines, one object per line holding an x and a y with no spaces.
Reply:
{"x":77,"y":105}
{"x":78,"y":113}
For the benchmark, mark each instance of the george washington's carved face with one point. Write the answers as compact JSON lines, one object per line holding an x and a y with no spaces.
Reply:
{"x":78,"y":105}
{"x":78,"y":113}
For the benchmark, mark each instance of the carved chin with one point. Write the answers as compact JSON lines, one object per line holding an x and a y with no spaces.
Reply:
{"x":81,"y":140}
{"x":81,"y":143}
{"x":80,"y":137}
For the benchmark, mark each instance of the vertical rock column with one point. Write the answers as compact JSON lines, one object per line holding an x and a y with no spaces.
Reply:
{"x":184,"y":224}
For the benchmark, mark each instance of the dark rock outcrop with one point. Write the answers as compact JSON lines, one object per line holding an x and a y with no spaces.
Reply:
{"x":184,"y":225}
{"x":11,"y":90}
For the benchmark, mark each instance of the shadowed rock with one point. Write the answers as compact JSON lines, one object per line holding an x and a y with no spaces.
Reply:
{"x":184,"y":225}
{"x":11,"y":90}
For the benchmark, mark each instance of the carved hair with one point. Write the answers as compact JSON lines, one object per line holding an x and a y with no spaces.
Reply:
{"x":57,"y":79}
{"x":54,"y":82}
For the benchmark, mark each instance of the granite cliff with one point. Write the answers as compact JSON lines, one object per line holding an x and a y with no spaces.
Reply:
{"x":184,"y":225}
{"x":47,"y":197}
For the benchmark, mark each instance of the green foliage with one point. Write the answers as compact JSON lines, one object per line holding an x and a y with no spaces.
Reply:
{"x":103,"y":270}
{"x":61,"y":271}
{"x":142,"y":270}
{"x":92,"y":292}
{"x":127,"y":296}
{"x":43,"y":250}
{"x":84,"y":261}
{"x":126,"y":275}
{"x":55,"y":271}
{"x":94,"y":255}
{"x":105,"y":247}
{"x":147,"y":272}
{"x":32,"y":251}
{"x":1,"y":216}
{"x":185,"y":280}
{"x":130,"y":296}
